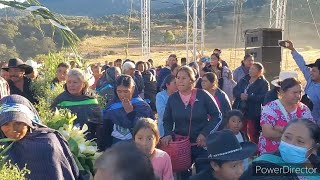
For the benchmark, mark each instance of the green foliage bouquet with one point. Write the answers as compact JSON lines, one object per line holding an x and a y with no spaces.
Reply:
{"x":9,"y":171}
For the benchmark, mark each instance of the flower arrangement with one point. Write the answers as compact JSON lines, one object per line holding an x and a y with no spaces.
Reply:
{"x":9,"y":171}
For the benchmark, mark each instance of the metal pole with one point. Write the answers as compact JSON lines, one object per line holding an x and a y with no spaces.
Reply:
{"x":203,"y":14}
{"x":188,"y":25}
{"x":195,"y":29}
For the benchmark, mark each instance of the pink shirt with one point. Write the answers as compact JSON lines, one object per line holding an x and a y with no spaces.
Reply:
{"x":161,"y":163}
{"x":185,"y":99}
{"x":271,"y":114}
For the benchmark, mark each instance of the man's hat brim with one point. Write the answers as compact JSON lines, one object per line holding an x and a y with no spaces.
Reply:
{"x":28,"y":69}
{"x":248,"y":149}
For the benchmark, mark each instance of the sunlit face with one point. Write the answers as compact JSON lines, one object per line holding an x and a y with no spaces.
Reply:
{"x":214,"y":61}
{"x":147,"y":140}
{"x":16,"y":74}
{"x":315,"y":74}
{"x":292,"y":95}
{"x":171,"y":61}
{"x":130,"y":72}
{"x":141,"y":67}
{"x":14,"y":130}
{"x":299,"y":135}
{"x":248,"y":62}
{"x":118,"y":64}
{"x":62,"y":73}
{"x":5,"y":74}
{"x":234,"y":124}
{"x":96,"y":69}
{"x":206,"y":84}
{"x":231,"y":170}
{"x":183,"y":81}
{"x":75,"y":85}
{"x":254,"y":71}
{"x":125,"y":92}
{"x":172,"y":87}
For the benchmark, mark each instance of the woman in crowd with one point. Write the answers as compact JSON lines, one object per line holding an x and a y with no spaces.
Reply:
{"x":223,"y":74}
{"x":168,"y":87}
{"x":62,"y":71}
{"x":278,"y":113}
{"x":41,"y":150}
{"x":190,"y":108}
{"x":150,"y":86}
{"x":210,"y":83}
{"x":105,"y":86}
{"x":77,"y":98}
{"x":146,"y":136}
{"x":297,"y":151}
{"x":249,"y":94}
{"x":125,"y":109}
{"x":140,"y":66}
{"x":96,"y":72}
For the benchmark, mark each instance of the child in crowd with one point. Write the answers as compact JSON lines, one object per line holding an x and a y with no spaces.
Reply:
{"x":233,"y":121}
{"x":146,"y":135}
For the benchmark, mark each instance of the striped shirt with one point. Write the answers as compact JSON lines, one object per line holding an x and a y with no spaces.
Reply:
{"x":4,"y":88}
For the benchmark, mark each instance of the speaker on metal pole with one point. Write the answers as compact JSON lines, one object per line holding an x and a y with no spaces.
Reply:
{"x":263,"y":45}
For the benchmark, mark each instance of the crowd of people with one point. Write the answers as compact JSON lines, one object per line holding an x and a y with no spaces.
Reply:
{"x":234,"y":124}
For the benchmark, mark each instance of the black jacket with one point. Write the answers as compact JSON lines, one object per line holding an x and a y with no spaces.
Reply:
{"x":150,"y":88}
{"x":256,"y":94}
{"x":27,"y":90}
{"x":204,"y":175}
{"x":271,"y":95}
{"x":178,"y":114}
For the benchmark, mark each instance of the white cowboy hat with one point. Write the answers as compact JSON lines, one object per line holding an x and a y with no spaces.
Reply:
{"x":33,"y":64}
{"x":284,"y":75}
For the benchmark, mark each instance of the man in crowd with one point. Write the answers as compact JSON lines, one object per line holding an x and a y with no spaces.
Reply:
{"x":218,"y":51}
{"x":164,"y":72}
{"x":128,"y":68}
{"x":118,"y":63}
{"x":243,"y":70}
{"x":311,"y":73}
{"x":18,"y":83}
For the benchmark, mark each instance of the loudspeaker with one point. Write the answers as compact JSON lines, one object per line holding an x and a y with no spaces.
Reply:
{"x":265,"y":54}
{"x":272,"y":70}
{"x":262,"y":37}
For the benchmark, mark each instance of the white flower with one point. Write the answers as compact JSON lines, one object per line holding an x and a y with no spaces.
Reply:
{"x":82,"y":147}
{"x":90,"y":150}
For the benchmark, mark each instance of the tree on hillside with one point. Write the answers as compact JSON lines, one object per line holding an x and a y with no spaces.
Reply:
{"x":169,"y":37}
{"x":7,"y":53}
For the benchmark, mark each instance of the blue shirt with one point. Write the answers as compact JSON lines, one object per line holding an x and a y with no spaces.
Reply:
{"x":161,"y":102}
{"x":312,"y":88}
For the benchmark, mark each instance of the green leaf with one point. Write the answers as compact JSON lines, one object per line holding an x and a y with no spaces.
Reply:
{"x":73,"y":147}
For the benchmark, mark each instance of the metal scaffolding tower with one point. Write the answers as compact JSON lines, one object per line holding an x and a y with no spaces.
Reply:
{"x":195,"y":29}
{"x":237,"y":30}
{"x":145,"y":28}
{"x":278,"y":10}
